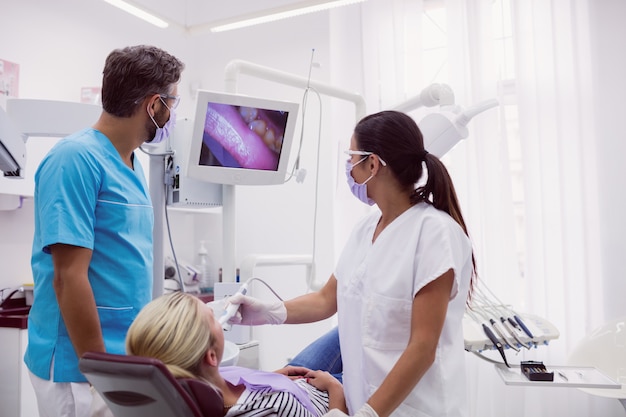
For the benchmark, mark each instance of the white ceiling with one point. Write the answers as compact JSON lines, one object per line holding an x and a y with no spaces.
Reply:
{"x":190,"y":13}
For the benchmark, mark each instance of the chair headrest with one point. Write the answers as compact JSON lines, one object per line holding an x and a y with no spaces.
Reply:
{"x":139,"y":386}
{"x":208,"y":399}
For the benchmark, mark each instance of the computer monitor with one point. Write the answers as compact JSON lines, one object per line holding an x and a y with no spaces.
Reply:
{"x":241,"y":140}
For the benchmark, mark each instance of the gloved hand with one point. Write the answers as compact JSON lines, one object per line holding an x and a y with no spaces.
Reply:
{"x":218,"y":306}
{"x":365,"y":411}
{"x":253,"y":311}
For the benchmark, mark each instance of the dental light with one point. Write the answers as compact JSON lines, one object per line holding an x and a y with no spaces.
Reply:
{"x":442,"y":130}
{"x":448,"y":126}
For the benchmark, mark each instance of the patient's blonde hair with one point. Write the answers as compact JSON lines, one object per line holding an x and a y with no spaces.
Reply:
{"x":174,"y":329}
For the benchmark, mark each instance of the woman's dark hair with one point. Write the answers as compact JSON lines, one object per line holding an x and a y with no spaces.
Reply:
{"x":396,"y":138}
{"x":132,"y":73}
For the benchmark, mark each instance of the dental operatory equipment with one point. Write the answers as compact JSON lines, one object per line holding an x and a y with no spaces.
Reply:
{"x":230,"y":310}
{"x":17,"y":124}
{"x":489,"y":299}
{"x":442,"y":130}
{"x":12,"y":148}
{"x":492,"y":337}
{"x":490,"y":324}
{"x":300,"y":173}
{"x":11,"y":291}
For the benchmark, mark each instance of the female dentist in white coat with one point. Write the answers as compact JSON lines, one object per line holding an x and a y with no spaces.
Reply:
{"x":401,"y":284}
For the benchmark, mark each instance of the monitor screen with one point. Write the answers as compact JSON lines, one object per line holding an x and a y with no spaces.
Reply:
{"x":241,"y":140}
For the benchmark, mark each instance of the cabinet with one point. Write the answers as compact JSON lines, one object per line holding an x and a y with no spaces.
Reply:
{"x":17,"y":397}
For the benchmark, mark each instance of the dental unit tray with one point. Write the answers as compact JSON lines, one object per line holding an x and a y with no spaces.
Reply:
{"x":482,"y":326}
{"x":563,"y":376}
{"x":476,"y":340}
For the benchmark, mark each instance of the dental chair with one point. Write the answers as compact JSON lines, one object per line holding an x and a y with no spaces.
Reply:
{"x":605,"y":349}
{"x":134,"y":386}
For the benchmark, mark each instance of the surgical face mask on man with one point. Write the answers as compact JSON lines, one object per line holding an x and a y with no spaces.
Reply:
{"x":359,"y":190}
{"x":165,"y":131}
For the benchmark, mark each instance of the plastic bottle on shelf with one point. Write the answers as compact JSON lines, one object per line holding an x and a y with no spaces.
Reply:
{"x":205,"y":266}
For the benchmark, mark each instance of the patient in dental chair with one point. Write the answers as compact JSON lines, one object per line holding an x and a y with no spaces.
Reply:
{"x":182,"y":332}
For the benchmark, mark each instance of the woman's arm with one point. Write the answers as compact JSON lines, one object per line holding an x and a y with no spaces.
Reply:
{"x":314,"y":306}
{"x":321,"y":380}
{"x":304,"y":309}
{"x":427,"y":318}
{"x":324,"y":381}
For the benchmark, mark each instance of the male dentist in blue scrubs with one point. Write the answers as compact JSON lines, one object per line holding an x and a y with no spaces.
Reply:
{"x":92,"y":249}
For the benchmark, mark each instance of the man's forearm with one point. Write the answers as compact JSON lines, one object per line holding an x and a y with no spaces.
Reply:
{"x":78,"y":308}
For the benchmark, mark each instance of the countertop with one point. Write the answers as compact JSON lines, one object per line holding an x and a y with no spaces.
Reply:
{"x":14,"y":313}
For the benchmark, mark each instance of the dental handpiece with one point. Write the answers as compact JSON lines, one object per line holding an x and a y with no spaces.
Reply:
{"x":496,"y":343}
{"x":513,"y":333}
{"x":231,"y":310}
{"x":500,"y":333}
{"x":523,"y":326}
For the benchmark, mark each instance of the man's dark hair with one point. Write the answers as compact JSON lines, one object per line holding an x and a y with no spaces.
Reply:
{"x":135,"y":72}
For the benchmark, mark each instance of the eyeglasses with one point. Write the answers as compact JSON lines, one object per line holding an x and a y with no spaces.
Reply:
{"x":365,"y":153}
{"x":171,"y":97}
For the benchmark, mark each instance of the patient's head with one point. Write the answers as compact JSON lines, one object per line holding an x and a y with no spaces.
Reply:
{"x":180,"y":331}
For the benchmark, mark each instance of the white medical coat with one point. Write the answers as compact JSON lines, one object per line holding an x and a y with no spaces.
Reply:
{"x":376,"y":284}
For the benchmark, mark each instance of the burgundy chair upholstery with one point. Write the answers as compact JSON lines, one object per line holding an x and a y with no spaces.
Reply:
{"x":134,"y":386}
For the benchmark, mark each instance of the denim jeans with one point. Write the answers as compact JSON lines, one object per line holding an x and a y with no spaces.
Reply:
{"x":322,"y":354}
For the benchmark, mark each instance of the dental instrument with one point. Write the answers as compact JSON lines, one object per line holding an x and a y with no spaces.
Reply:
{"x":498,"y":330}
{"x":495,"y":311}
{"x":516,"y":321}
{"x":513,"y":333}
{"x":231,"y":309}
{"x":491,"y":336}
{"x":509,"y":329}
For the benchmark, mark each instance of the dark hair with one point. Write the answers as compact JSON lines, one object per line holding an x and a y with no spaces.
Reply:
{"x":396,"y":138}
{"x":132,"y":73}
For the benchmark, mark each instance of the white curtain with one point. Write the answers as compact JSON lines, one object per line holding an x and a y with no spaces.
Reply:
{"x":530,"y":206}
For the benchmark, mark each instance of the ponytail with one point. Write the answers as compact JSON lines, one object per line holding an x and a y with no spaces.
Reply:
{"x":440,"y":192}
{"x":179,"y":372}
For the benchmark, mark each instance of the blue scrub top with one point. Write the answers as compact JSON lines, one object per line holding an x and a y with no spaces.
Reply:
{"x":86,"y":196}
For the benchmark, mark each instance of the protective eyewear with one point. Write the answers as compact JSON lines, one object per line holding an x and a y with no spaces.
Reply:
{"x":365,"y":153}
{"x":171,"y":97}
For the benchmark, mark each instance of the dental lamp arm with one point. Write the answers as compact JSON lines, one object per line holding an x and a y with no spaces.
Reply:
{"x":237,"y":66}
{"x":469,"y":113}
{"x":433,"y":95}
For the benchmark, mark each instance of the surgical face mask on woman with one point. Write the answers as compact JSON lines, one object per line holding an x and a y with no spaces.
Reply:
{"x":359,"y":190}
{"x":165,"y":131}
